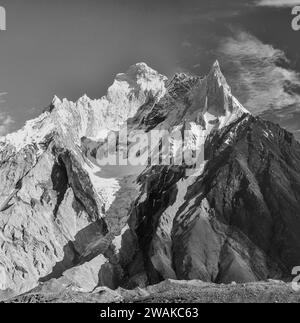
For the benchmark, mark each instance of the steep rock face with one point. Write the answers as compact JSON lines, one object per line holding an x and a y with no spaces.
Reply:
{"x":238,"y":221}
{"x":262,"y":166}
{"x":49,"y":220}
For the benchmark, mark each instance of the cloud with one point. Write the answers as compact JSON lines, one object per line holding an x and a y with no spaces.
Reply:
{"x":186,"y":44}
{"x":2,"y":100}
{"x":215,"y":10}
{"x":210,"y":15}
{"x":261,"y":78}
{"x":259,"y":73}
{"x":5,"y":123}
{"x":287,"y":117}
{"x":5,"y":120}
{"x":278,"y":3}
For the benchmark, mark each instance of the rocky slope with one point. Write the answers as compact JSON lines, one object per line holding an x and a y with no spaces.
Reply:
{"x":169,"y":291}
{"x":232,"y":213}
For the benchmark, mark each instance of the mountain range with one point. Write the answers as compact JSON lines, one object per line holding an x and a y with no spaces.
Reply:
{"x":68,"y":223}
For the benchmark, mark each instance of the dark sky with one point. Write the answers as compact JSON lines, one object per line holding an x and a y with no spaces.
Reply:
{"x":73,"y":47}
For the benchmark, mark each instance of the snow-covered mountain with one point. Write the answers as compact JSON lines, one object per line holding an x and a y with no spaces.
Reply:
{"x":68,"y":222}
{"x":93,"y":118}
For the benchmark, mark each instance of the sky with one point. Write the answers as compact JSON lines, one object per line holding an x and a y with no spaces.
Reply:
{"x":71,"y":47}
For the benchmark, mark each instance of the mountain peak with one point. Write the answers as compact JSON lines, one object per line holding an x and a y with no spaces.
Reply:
{"x":139,"y":71}
{"x":216,"y":76}
{"x":216,"y":65}
{"x":130,"y":91}
{"x":56,"y":100}
{"x":220,"y":98}
{"x":84,"y":99}
{"x":142,"y":67}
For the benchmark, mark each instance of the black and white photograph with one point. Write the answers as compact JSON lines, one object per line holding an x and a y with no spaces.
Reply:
{"x":149,"y":154}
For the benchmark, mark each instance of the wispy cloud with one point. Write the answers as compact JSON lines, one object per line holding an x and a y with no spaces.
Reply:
{"x":2,"y":95}
{"x":209,"y":16}
{"x":5,"y":120}
{"x":278,"y":3}
{"x":186,"y":44}
{"x":5,"y":123}
{"x":287,"y":117}
{"x":215,"y":10}
{"x":260,"y":73}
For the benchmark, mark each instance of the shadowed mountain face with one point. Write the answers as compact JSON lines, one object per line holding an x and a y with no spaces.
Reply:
{"x":68,"y":223}
{"x":238,"y":221}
